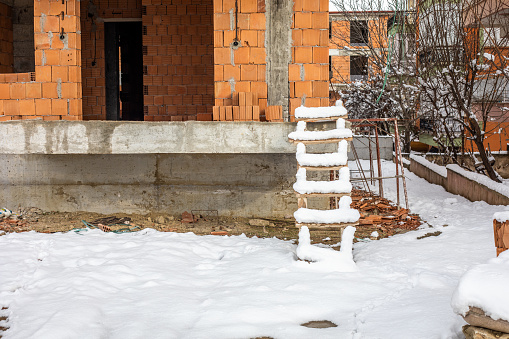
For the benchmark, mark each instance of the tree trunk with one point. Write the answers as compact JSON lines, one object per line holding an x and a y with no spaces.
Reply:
{"x":482,"y":152}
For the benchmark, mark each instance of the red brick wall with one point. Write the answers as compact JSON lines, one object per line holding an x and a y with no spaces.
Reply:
{"x":179,"y":79}
{"x":6,"y":50}
{"x":53,"y":91}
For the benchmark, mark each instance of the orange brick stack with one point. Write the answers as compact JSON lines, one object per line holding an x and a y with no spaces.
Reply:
{"x":239,"y":51}
{"x":274,"y":113}
{"x":6,"y":47}
{"x":94,"y":69}
{"x":309,"y":71}
{"x":53,"y":91}
{"x":242,"y":107}
{"x":179,"y":60}
{"x":501,"y":231}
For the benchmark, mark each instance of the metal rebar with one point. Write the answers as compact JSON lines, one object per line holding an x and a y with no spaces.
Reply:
{"x":379,"y":163}
{"x":398,"y":152}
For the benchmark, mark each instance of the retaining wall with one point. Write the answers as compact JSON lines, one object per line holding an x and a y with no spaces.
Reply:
{"x":458,"y":181}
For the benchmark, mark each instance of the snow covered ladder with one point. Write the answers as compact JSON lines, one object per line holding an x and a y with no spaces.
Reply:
{"x":342,"y":215}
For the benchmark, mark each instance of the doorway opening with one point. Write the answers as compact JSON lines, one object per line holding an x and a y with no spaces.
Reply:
{"x":124,"y":70}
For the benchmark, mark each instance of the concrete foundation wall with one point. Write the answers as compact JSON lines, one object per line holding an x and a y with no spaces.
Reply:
{"x":426,"y":173}
{"x":456,"y":183}
{"x":234,"y":184}
{"x":239,"y":169}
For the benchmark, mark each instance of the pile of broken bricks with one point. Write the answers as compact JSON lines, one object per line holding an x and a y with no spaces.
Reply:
{"x":381,"y":213}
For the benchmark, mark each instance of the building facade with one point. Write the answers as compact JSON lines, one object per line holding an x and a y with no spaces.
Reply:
{"x":160,"y":60}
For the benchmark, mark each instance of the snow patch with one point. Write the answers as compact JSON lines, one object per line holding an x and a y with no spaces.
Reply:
{"x":485,"y":286}
{"x":342,"y":185}
{"x":326,"y":159}
{"x":319,"y":112}
{"x":440,"y":170}
{"x":325,"y":258}
{"x":501,"y":216}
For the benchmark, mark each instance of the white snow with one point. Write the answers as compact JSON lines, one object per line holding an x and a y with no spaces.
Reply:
{"x":327,"y":259}
{"x":341,"y":185}
{"x":343,"y":214}
{"x":501,"y":216}
{"x":485,"y":286}
{"x":169,"y":285}
{"x":489,"y":56}
{"x":340,"y":158}
{"x":481,"y":179}
{"x":338,"y":133}
{"x":440,"y":170}
{"x":319,"y":112}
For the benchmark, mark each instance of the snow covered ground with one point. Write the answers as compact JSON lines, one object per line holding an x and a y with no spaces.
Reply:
{"x":168,"y":285}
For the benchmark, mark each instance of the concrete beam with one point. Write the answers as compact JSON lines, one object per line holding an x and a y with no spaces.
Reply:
{"x":114,"y":137}
{"x":117,"y":137}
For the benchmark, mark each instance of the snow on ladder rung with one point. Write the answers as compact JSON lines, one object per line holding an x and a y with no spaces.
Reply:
{"x":336,"y":216}
{"x":320,"y":137}
{"x":342,"y":215}
{"x":320,"y":113}
{"x":340,"y":186}
{"x":332,"y":161}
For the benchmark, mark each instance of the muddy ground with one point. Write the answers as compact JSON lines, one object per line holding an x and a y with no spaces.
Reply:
{"x":206,"y":223}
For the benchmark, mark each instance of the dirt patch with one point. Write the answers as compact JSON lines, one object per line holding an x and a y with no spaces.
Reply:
{"x":206,"y":223}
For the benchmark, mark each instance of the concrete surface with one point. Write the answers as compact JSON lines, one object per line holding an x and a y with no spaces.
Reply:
{"x":240,"y":169}
{"x":249,"y":185}
{"x":118,"y":137}
{"x":278,"y":42}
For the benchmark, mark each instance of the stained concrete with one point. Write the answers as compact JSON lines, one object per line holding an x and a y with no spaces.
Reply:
{"x":278,"y":43}
{"x":240,"y":169}
{"x":235,"y":185}
{"x":119,"y":137}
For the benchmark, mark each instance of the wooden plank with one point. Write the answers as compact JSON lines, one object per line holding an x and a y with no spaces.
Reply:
{"x":322,"y":119}
{"x":323,"y":168}
{"x":325,"y":141}
{"x":330,"y":195}
{"x":328,"y":227}
{"x":302,"y":202}
{"x":236,"y":113}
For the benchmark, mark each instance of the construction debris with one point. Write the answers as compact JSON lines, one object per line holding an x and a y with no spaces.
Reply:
{"x":382,"y":214}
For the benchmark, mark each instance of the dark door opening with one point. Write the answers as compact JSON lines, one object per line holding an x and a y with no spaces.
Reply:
{"x":124,"y":70}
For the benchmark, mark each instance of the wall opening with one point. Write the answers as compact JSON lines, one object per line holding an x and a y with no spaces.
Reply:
{"x":359,"y":33}
{"x":358,"y":67}
{"x":124,"y":70}
{"x":23,"y":36}
{"x":17,"y":52}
